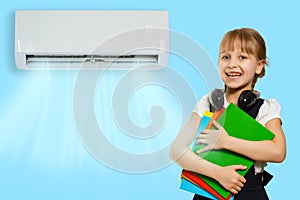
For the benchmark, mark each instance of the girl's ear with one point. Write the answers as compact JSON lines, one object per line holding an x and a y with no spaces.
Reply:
{"x":260,"y":66}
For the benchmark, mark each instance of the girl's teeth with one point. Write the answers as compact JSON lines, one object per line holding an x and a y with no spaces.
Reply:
{"x":233,"y":74}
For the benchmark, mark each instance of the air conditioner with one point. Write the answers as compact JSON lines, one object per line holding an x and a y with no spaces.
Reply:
{"x":91,"y":39}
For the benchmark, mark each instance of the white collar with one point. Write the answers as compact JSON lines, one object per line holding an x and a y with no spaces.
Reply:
{"x":225,"y":101}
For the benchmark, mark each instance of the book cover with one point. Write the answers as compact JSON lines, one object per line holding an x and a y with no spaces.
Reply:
{"x":189,"y":186}
{"x":197,"y":181}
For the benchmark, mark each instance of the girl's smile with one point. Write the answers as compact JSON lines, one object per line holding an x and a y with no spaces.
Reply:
{"x":233,"y":75}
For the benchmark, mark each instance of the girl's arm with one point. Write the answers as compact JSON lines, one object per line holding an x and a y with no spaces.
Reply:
{"x":267,"y":150}
{"x":187,"y":159}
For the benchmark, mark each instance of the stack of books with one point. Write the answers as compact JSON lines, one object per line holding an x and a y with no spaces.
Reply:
{"x":238,"y":124}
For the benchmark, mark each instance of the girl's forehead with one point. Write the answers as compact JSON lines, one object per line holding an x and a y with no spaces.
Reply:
{"x":236,"y":45}
{"x":227,"y":48}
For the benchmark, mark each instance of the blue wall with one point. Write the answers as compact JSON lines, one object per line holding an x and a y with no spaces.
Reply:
{"x":41,"y":155}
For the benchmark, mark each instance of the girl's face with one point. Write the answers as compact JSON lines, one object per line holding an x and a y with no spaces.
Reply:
{"x":237,"y":68}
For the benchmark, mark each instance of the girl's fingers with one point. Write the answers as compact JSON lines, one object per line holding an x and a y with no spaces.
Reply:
{"x":217,"y":125}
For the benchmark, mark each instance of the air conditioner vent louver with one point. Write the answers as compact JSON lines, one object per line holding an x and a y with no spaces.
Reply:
{"x":90,"y":61}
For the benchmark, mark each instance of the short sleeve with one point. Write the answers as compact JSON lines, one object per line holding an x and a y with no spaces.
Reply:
{"x":269,"y":110}
{"x":201,"y":106}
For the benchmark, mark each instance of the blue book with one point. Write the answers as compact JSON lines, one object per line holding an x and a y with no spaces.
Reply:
{"x":189,"y":186}
{"x":203,"y":124}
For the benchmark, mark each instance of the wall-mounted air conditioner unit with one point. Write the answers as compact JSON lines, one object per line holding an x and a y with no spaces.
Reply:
{"x":91,"y":39}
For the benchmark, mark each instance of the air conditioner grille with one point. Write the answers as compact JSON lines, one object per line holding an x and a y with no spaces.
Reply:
{"x":89,"y":61}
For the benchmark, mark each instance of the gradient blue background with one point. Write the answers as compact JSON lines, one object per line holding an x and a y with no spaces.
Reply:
{"x":41,"y":156}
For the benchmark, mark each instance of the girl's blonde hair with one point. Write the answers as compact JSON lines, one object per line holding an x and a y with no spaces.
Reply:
{"x":251,"y":42}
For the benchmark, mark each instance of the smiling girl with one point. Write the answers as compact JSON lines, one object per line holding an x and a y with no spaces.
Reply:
{"x":242,"y":60}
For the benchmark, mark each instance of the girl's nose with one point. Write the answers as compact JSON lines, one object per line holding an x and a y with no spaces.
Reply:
{"x":231,"y":65}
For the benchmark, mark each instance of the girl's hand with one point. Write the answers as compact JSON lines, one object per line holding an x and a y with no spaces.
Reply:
{"x":213,"y":139}
{"x":230,"y":179}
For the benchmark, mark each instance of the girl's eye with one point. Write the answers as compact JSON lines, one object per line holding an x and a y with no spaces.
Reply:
{"x":242,"y":57}
{"x":225,"y":57}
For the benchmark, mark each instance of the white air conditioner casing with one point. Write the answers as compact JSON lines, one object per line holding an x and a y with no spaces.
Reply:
{"x":91,"y":39}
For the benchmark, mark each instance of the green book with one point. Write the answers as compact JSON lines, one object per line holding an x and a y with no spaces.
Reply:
{"x":238,"y":124}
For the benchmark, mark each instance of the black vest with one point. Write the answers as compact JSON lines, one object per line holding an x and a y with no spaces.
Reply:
{"x":254,"y":186}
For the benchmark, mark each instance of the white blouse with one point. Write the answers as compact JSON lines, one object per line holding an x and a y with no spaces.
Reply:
{"x":269,"y":110}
